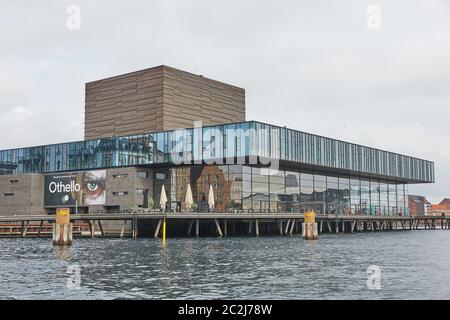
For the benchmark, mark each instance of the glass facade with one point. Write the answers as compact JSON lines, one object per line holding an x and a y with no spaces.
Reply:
{"x":238,"y":187}
{"x":237,"y":143}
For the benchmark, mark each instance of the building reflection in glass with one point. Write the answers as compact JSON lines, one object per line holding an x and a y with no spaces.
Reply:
{"x":240,"y":187}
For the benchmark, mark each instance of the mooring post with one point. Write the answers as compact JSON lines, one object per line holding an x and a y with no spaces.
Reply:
{"x":197,"y":228}
{"x":309,"y":227}
{"x":164,"y":231}
{"x":62,"y":228}
{"x":225,"y":227}
{"x":280,"y":225}
{"x":257,"y":227}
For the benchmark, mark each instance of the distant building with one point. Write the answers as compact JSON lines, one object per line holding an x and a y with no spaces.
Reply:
{"x":419,"y":205}
{"x":442,"y":208}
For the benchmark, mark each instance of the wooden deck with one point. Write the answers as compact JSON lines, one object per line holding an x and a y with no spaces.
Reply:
{"x":287,"y":223}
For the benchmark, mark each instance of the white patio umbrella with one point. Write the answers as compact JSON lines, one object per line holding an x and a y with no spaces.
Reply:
{"x":163,"y":199}
{"x":211,"y":201}
{"x":188,"y":200}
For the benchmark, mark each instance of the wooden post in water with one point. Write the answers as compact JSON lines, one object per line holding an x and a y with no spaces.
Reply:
{"x":219,"y":230}
{"x":158,"y":227}
{"x":287,"y":227}
{"x":40,"y":229}
{"x":309,"y":227}
{"x":190,"y":228}
{"x":25,"y":229}
{"x":100,"y":227}
{"x":292,"y":227}
{"x":62,"y":228}
{"x":122,"y":231}
{"x":164,"y":231}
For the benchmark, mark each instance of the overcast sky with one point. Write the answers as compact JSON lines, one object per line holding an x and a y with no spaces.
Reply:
{"x":318,"y":66}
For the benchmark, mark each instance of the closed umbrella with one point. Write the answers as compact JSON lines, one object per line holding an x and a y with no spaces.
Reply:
{"x":188,"y":200}
{"x":163,"y":198}
{"x":211,"y":198}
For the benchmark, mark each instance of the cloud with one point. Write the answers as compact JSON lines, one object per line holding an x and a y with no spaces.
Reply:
{"x":22,"y":111}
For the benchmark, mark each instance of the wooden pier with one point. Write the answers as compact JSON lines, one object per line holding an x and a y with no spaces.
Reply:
{"x":222,"y":224}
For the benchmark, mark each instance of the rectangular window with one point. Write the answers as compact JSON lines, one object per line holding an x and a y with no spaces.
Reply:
{"x":9,"y":194}
{"x":13,"y":181}
{"x":120,"y":193}
{"x":161,"y":176}
{"x":142,"y":174}
{"x":119,"y":176}
{"x":139,"y":191}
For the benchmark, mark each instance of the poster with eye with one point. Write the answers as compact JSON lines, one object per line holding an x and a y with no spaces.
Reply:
{"x":82,"y":188}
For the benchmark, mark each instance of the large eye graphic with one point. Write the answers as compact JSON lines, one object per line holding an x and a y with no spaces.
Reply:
{"x":92,"y":186}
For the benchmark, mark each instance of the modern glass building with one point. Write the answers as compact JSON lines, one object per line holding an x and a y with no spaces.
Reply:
{"x":252,"y":166}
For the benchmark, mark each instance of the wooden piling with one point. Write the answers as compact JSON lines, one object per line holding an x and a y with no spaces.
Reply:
{"x":164,"y":230}
{"x":294,"y":223}
{"x":40,"y":229}
{"x":287,"y":227}
{"x":122,"y":231}
{"x":25,"y":229}
{"x":158,"y":227}
{"x":99,"y":222}
{"x":219,"y":230}
{"x":190,"y":227}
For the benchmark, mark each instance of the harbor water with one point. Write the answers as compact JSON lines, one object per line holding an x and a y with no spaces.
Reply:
{"x":412,"y":265}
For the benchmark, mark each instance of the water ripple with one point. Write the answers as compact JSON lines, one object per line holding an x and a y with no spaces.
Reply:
{"x":415,"y":265}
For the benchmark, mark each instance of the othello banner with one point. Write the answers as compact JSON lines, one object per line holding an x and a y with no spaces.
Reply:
{"x":82,"y":188}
